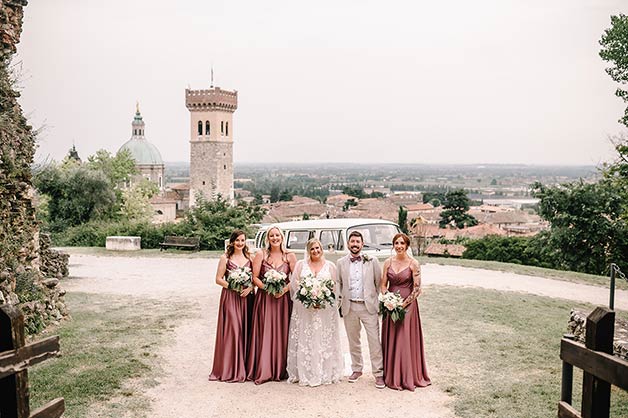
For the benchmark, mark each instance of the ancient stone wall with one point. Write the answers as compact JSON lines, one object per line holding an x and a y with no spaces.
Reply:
{"x":577,"y":327}
{"x":21,"y":281}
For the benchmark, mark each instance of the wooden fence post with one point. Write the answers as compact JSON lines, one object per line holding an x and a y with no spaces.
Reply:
{"x":13,"y":387}
{"x":596,"y":393}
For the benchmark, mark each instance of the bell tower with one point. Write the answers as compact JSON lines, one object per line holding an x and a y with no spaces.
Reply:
{"x":211,"y":142}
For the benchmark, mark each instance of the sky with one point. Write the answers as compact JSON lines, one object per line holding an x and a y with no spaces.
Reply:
{"x":456,"y":82}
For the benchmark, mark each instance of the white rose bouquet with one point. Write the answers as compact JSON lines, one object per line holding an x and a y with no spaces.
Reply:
{"x":240,"y":278}
{"x":316,"y":291}
{"x":392,"y":304}
{"x":274,"y":282}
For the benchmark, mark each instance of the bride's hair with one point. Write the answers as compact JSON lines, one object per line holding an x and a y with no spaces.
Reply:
{"x":309,"y":246}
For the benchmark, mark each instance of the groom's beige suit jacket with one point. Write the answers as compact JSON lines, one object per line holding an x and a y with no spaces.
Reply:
{"x":371,"y":276}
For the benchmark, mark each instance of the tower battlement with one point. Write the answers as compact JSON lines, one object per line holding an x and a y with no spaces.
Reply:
{"x":211,"y":99}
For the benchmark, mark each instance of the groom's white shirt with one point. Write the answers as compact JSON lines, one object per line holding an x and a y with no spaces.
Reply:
{"x":370,"y":275}
{"x":356,"y":288}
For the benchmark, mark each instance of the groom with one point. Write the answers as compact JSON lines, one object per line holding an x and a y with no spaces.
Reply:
{"x":359,"y":277}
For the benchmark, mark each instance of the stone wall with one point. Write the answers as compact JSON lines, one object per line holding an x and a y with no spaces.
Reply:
{"x":577,"y":327}
{"x":21,"y":281}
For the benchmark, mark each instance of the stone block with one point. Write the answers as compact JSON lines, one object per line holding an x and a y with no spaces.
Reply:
{"x":123,"y":243}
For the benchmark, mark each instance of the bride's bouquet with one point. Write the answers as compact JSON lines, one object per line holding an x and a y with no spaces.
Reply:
{"x":316,"y":291}
{"x":392,"y":304}
{"x":240,"y":278}
{"x":274,"y":282}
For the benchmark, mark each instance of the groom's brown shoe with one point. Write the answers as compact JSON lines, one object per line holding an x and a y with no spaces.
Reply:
{"x":354,"y":377}
{"x":379,"y":382}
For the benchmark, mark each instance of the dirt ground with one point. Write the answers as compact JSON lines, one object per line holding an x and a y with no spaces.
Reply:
{"x":184,"y":392}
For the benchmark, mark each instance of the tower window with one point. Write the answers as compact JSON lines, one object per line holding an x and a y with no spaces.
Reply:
{"x":225,"y":166}
{"x":206,"y":127}
{"x":200,"y":127}
{"x":227,"y":128}
{"x":203,"y":182}
{"x":134,"y":131}
{"x":222,"y":127}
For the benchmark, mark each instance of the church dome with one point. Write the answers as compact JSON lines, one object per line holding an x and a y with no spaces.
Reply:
{"x":142,"y":151}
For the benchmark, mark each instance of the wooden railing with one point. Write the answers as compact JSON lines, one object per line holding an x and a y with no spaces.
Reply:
{"x":601,"y":369}
{"x":15,"y":358}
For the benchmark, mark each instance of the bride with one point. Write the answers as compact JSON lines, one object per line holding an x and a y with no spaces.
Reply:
{"x":314,"y":356}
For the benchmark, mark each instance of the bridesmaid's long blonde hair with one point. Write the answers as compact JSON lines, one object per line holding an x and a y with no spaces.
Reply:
{"x":282,"y":246}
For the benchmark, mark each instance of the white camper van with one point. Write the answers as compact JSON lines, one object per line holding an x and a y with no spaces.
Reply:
{"x":334,"y":235}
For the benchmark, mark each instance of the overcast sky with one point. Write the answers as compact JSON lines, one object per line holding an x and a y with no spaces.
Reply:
{"x":458,"y":81}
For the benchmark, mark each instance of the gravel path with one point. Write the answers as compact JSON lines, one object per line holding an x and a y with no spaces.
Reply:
{"x":184,"y":391}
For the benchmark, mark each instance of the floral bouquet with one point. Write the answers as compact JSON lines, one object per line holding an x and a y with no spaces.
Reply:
{"x":240,"y":278}
{"x":392,"y":304}
{"x":316,"y":291}
{"x":274,"y":282}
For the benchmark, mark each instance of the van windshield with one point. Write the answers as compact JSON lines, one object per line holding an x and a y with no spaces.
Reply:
{"x":376,"y":236}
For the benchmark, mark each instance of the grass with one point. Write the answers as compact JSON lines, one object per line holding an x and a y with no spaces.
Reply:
{"x":568,"y":276}
{"x":497,"y":353}
{"x":108,"y":354}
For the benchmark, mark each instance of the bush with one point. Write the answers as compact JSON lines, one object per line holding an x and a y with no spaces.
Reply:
{"x":532,"y":251}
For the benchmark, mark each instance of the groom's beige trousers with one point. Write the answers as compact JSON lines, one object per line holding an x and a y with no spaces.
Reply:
{"x":357,"y":316}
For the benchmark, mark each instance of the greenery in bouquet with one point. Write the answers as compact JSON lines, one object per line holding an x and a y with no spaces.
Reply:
{"x":274,"y":282}
{"x":391,"y":303}
{"x":316,"y":291}
{"x":240,"y":278}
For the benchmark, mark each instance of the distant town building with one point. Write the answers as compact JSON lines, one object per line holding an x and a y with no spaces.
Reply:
{"x":147,"y":157}
{"x":211,"y":142}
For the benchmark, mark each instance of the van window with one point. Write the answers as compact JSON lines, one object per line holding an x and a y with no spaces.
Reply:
{"x":298,"y":239}
{"x":376,"y":236}
{"x":331,"y":239}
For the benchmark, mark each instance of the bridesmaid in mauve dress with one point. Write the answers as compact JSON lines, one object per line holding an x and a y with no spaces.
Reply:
{"x":271,"y":313}
{"x":234,"y":315}
{"x":402,"y":341}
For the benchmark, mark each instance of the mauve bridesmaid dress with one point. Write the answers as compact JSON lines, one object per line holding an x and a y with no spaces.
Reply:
{"x":269,"y":340}
{"x":233,"y":333}
{"x":402,"y":342}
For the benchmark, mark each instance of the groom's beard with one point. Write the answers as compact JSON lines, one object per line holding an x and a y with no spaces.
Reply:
{"x":355,"y":250}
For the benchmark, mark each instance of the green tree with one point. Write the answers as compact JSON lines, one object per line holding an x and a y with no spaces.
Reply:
{"x":349,"y":203}
{"x":455,"y":208}
{"x":588,"y":224}
{"x":355,"y":191}
{"x":214,"y":220}
{"x":75,"y":195}
{"x":402,"y":219}
{"x":118,"y":168}
{"x":274,"y":195}
{"x":614,"y":50}
{"x":136,"y":201}
{"x":285,"y":196}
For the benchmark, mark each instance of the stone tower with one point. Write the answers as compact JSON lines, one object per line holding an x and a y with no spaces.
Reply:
{"x":211,"y":142}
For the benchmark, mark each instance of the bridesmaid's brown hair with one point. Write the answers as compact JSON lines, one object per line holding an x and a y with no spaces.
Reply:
{"x":230,"y":247}
{"x":406,"y":239}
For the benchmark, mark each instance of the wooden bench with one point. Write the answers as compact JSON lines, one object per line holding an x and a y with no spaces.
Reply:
{"x":193,"y":243}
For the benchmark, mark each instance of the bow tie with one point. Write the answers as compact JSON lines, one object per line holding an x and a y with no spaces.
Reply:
{"x":356,"y":258}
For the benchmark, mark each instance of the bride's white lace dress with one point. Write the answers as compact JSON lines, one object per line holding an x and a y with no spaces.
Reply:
{"x":314,"y":356}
